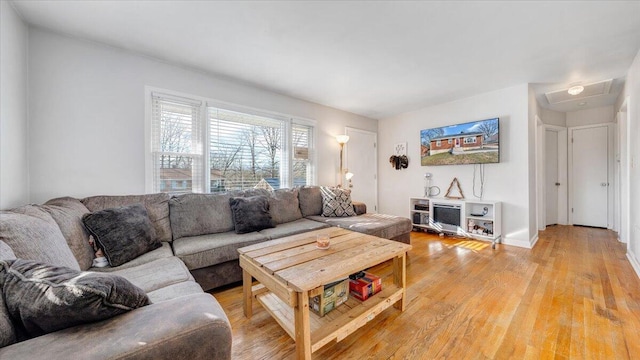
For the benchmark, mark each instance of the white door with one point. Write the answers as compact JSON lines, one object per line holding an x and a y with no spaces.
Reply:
{"x":590,"y":180}
{"x":551,"y":177}
{"x":361,"y":161}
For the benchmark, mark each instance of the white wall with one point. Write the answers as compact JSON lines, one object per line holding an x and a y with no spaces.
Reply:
{"x":14,"y":179}
{"x":507,"y":181}
{"x":87,"y":112}
{"x":551,"y":117}
{"x":593,"y":116}
{"x":535,"y":160}
{"x":632,"y":89}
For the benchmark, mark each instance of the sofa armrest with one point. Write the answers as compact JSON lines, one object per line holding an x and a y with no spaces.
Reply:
{"x":188,"y":327}
{"x":359,"y":207}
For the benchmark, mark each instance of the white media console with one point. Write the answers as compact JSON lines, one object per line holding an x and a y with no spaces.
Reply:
{"x":478,"y":219}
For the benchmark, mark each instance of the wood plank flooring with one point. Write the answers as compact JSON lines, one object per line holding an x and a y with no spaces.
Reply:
{"x":574,"y":296}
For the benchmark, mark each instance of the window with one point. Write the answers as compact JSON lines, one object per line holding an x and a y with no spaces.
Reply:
{"x":245,"y":148}
{"x":438,"y":143}
{"x":470,"y":140}
{"x":302,"y":136}
{"x":176,"y":152}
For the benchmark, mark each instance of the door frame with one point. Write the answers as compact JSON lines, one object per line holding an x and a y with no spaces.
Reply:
{"x":610,"y":128}
{"x":540,"y":174}
{"x":348,"y":129}
{"x":623,"y":189}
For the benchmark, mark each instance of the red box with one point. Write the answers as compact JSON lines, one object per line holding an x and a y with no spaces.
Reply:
{"x":363,"y":288}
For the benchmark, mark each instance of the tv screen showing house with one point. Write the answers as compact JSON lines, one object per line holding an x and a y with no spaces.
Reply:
{"x":476,"y":142}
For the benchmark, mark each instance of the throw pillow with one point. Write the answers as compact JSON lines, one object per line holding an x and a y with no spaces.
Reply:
{"x":45,"y":298}
{"x":336,"y":202}
{"x":250,"y":213}
{"x":123,"y":233}
{"x":157,"y":206}
{"x":284,"y":206}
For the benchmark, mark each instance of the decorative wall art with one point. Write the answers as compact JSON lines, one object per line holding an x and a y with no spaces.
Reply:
{"x":453,"y":195}
{"x":475,"y":142}
{"x":399,"y":159}
{"x":400,"y":149}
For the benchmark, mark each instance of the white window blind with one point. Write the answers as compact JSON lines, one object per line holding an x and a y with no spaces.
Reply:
{"x":214,"y":147}
{"x":302,"y":146}
{"x":246,"y":149}
{"x":176,"y":144}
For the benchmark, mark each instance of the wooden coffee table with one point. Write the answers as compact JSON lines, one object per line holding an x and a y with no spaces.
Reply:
{"x":291,"y":269}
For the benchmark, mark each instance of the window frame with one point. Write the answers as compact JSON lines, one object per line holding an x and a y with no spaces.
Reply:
{"x":205,"y":177}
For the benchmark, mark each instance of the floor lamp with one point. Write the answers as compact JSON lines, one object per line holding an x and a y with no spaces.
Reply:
{"x":342,"y":139}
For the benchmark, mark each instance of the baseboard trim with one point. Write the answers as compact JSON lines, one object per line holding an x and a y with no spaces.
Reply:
{"x":634,"y":263}
{"x":534,"y":241}
{"x":516,"y":242}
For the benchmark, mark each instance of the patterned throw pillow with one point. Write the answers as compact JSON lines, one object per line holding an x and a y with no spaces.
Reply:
{"x":336,"y":202}
{"x":44,"y":298}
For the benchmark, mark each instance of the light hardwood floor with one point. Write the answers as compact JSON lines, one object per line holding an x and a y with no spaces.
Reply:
{"x":574,"y":295}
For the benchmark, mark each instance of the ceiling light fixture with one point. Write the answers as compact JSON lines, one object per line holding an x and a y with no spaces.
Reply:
{"x":575,"y":90}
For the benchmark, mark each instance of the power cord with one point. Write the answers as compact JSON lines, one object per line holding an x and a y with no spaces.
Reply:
{"x":475,"y":167}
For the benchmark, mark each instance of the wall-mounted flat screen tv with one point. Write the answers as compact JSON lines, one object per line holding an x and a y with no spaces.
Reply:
{"x":476,"y":142}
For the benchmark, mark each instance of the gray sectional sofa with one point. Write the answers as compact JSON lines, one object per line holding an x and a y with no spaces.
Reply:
{"x":198,"y":251}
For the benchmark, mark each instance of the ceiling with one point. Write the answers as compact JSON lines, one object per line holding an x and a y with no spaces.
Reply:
{"x":377,"y":59}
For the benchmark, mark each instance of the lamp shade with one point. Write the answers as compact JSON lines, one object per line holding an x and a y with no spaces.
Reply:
{"x":342,"y":139}
{"x":348,"y":175}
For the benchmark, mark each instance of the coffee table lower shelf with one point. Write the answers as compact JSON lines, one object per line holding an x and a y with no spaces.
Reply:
{"x":335,"y":325}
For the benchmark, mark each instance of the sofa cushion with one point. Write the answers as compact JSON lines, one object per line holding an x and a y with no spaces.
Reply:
{"x":284,"y":206}
{"x":250,"y":214}
{"x":200,"y":214}
{"x":157,"y":206}
{"x":251,"y":192}
{"x":7,"y":330}
{"x":68,"y":212}
{"x":212,"y":249}
{"x":336,"y":202}
{"x":160,"y":253}
{"x":45,"y":298}
{"x":193,"y":327}
{"x":156,"y":274}
{"x":292,"y":228}
{"x":310,"y":200}
{"x":123,"y":233}
{"x":174,"y":291}
{"x":33,"y":234}
{"x":359,"y":207}
{"x":384,"y":226}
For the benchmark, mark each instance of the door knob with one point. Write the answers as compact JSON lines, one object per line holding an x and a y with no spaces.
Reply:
{"x":557,"y":184}
{"x":603,"y":184}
